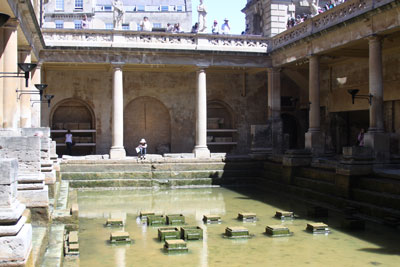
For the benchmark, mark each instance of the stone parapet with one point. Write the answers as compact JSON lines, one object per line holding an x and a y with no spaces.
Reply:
{"x":356,"y":161}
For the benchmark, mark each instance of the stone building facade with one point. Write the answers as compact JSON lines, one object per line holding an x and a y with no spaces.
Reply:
{"x":99,"y":13}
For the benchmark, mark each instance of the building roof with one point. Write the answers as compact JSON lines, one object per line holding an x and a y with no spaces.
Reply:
{"x":143,"y":2}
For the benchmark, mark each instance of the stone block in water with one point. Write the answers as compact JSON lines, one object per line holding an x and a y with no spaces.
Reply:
{"x":73,"y":237}
{"x":191,"y":233}
{"x":247,"y":216}
{"x":318,"y":228}
{"x":277,"y":230}
{"x":120,"y":237}
{"x":284,"y":215}
{"x":155,"y":220}
{"x":353,"y":223}
{"x":115,"y":222}
{"x":145,"y":214}
{"x":168,"y":233}
{"x":175,"y":246}
{"x":236,"y":232}
{"x":175,"y":219}
{"x":317,"y":212}
{"x":211,"y":218}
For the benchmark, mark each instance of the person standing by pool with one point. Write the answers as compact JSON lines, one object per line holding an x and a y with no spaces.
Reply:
{"x":142,"y":149}
{"x":68,"y":142}
{"x":360,"y":138}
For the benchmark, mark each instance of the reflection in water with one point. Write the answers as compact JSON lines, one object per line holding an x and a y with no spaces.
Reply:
{"x":302,"y":249}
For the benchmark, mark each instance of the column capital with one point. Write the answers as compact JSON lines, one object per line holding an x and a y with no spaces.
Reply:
{"x":12,"y":23}
{"x":117,"y":65}
{"x":374,"y":38}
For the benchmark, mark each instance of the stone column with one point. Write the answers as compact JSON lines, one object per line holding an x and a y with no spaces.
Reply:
{"x":274,"y":109}
{"x":201,"y":150}
{"x":25,"y":99}
{"x":376,"y":138}
{"x":314,"y":138}
{"x":35,"y":109}
{"x":2,"y":44}
{"x":10,"y":85}
{"x":117,"y":149}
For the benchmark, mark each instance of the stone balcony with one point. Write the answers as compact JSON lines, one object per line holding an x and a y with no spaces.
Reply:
{"x":154,"y":40}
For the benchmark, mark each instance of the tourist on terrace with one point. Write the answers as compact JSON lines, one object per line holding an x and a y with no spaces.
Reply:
{"x":142,"y":149}
{"x":360,"y":138}
{"x":85,"y":22}
{"x":68,"y":142}
{"x":215,"y":28}
{"x":170,"y":27}
{"x":195,"y":28}
{"x":146,"y":25}
{"x":177,"y":28}
{"x":225,"y":28}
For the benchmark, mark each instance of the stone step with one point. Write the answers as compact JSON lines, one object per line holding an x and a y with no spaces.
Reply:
{"x":36,"y":177}
{"x":322,"y":186}
{"x":62,"y":199}
{"x":381,"y":185}
{"x":46,"y":163}
{"x":53,"y":256}
{"x":379,"y":199}
{"x":31,"y":186}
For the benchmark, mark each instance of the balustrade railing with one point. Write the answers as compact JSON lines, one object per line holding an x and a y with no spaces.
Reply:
{"x":155,"y":40}
{"x":343,"y":12}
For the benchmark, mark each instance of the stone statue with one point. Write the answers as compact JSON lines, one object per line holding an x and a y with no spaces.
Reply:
{"x":118,"y":14}
{"x":201,"y":9}
{"x":313,"y":7}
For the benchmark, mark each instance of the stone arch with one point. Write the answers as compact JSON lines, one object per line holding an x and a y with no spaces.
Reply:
{"x":74,"y":114}
{"x":219,"y":109}
{"x":147,"y":117}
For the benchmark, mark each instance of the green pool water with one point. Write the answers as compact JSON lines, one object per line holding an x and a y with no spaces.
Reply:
{"x":376,"y":246}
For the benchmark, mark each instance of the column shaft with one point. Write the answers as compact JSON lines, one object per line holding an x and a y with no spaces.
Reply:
{"x":376,"y":85}
{"x":25,"y":99}
{"x":274,"y":109}
{"x":201,"y":150}
{"x":35,"y":109}
{"x":10,"y":85}
{"x":117,"y":150}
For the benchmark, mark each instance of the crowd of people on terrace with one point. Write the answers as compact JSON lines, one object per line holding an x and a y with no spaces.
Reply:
{"x":315,"y":10}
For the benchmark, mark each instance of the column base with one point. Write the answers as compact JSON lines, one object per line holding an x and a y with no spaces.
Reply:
{"x":201,"y":152}
{"x":117,"y":153}
{"x":15,"y":250}
{"x":380,"y":145}
{"x":315,"y":142}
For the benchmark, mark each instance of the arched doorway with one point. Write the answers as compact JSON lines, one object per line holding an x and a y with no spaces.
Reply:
{"x":146,"y":117}
{"x":77,"y":116}
{"x":221,"y":129}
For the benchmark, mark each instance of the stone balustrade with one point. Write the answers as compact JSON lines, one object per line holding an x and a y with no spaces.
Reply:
{"x":155,"y":40}
{"x":343,"y":12}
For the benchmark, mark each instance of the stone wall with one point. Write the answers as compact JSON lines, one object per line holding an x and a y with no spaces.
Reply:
{"x":245,"y":94}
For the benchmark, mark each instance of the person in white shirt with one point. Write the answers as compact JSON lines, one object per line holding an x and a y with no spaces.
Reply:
{"x":225,"y":28}
{"x":142,"y":149}
{"x":215,"y":28}
{"x":146,"y":25}
{"x":68,"y":142}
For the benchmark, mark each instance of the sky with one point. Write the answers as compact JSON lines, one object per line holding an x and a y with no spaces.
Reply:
{"x":221,"y":9}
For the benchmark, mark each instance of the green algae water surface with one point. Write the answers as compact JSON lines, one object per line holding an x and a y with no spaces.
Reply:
{"x":376,"y":246}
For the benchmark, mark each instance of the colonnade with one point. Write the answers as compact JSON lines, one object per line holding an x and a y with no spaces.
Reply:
{"x":117,"y":150}
{"x":375,"y":138}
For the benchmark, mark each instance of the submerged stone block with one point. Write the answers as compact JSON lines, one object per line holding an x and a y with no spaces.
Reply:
{"x":247,"y":216}
{"x":120,"y":237}
{"x":318,"y":228}
{"x":175,"y":219}
{"x":144,"y":214}
{"x":191,"y":233}
{"x":284,"y":215}
{"x":237,"y":232}
{"x":115,"y":222}
{"x":175,"y":246}
{"x":211,"y":218}
{"x":155,"y":220}
{"x":168,"y":233}
{"x":277,"y":230}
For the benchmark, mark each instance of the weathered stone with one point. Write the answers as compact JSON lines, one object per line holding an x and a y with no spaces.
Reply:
{"x":31,"y":186}
{"x":13,"y":213}
{"x":247,"y":216}
{"x":34,"y":198}
{"x":175,"y":246}
{"x":12,"y":229}
{"x":120,"y":237}
{"x":318,"y":228}
{"x":211,"y":218}
{"x":9,"y":168}
{"x":8,"y":193}
{"x":153,"y":220}
{"x":144,"y":214}
{"x":73,"y":237}
{"x":175,"y":219}
{"x":296,"y":158}
{"x":277,"y":230}
{"x":284,"y":214}
{"x":168,"y":233}
{"x":236,"y":231}
{"x":74,"y":211}
{"x":115,"y":222}
{"x":191,"y":233}
{"x":15,"y":249}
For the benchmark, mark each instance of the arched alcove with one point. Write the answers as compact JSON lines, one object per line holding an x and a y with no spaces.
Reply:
{"x":75,"y":115}
{"x":147,"y":117}
{"x":221,"y":127}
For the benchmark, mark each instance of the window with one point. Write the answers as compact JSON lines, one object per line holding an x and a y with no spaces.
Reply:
{"x":179,"y":8}
{"x":78,"y":4}
{"x":140,"y":8}
{"x":78,"y":24}
{"x":109,"y":26}
{"x":107,"y":8}
{"x":156,"y":25}
{"x":164,"y":8}
{"x":125,"y":26}
{"x":59,"y":24}
{"x":59,"y":4}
